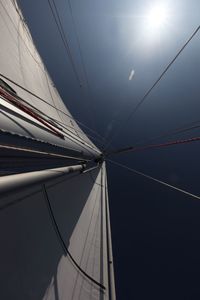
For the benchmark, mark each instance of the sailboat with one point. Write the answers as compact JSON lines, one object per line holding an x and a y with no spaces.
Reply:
{"x":54,"y":210}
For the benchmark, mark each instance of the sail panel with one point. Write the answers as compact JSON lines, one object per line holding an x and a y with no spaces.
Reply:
{"x":21,"y":63}
{"x":29,"y":248}
{"x":54,"y":226}
{"x":33,"y":261}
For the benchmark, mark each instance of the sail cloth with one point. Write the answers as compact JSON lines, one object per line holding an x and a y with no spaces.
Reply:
{"x":33,"y":262}
{"x":54,"y":226}
{"x":47,"y":117}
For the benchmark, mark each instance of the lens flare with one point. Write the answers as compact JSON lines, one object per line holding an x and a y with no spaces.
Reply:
{"x":157,"y":16}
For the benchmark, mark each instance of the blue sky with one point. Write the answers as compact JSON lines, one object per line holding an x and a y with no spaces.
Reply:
{"x":155,"y":231}
{"x":115,"y":38}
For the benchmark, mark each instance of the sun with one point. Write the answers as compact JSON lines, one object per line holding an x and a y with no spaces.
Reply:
{"x":157,"y":16}
{"x":156,"y":19}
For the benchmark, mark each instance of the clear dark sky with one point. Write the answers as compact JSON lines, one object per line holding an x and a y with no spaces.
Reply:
{"x":156,"y":231}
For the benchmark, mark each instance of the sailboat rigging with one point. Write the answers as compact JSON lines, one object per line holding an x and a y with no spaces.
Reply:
{"x":54,"y":207}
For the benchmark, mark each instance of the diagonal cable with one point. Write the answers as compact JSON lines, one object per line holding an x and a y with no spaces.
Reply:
{"x":82,"y":59}
{"x":78,"y":42}
{"x":185,"y":128}
{"x":58,"y":23}
{"x":156,"y":180}
{"x":133,"y":112}
{"x":154,"y":146}
{"x":49,"y":104}
{"x":142,"y":144}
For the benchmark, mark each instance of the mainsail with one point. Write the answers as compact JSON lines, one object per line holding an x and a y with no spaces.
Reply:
{"x":54,"y":211}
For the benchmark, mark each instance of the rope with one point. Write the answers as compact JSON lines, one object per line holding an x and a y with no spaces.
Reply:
{"x":58,"y":124}
{"x":30,"y":112}
{"x":47,"y":122}
{"x":82,"y":60}
{"x":171,"y":132}
{"x":133,"y":112}
{"x":27,"y":150}
{"x":66,"y":251}
{"x":155,"y":146}
{"x":58,"y":22}
{"x":44,"y":101}
{"x":157,"y":180}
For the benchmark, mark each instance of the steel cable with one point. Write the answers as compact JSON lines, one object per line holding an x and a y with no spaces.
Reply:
{"x":133,"y":112}
{"x":156,"y":180}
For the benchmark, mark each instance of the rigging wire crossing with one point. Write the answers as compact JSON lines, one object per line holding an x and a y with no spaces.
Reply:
{"x":171,"y":133}
{"x":30,"y":112}
{"x":78,"y":42}
{"x":5,"y":77}
{"x":154,"y":146}
{"x":45,"y":71}
{"x":51,"y":105}
{"x":8,"y":96}
{"x":156,"y":180}
{"x":58,"y":23}
{"x":133,"y":112}
{"x":82,"y":59}
{"x":66,"y":44}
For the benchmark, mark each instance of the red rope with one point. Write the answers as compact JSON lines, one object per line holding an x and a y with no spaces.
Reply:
{"x":154,"y":146}
{"x":177,"y":142}
{"x":7,"y":96}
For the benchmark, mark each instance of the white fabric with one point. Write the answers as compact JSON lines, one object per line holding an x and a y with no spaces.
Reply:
{"x":20,"y":61}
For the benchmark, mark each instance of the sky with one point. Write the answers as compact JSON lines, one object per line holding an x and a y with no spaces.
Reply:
{"x":119,"y":53}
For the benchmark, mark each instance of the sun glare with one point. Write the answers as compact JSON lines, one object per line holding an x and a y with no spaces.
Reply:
{"x":157,"y":16}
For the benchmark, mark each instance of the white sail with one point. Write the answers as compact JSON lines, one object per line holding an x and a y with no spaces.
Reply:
{"x":54,"y":214}
{"x":21,"y":63}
